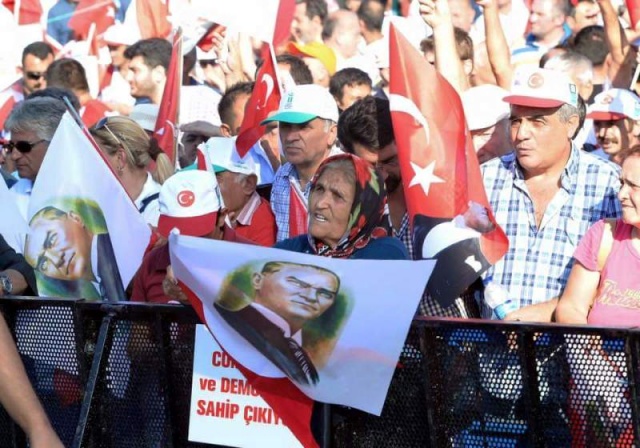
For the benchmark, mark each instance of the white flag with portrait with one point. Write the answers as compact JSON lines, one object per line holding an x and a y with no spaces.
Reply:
{"x":86,"y":238}
{"x":334,"y":327}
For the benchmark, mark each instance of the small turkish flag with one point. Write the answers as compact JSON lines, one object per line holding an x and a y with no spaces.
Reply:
{"x":448,"y":209}
{"x":165,"y":131}
{"x":264,"y":99}
{"x":298,"y":214}
{"x":102,"y":13}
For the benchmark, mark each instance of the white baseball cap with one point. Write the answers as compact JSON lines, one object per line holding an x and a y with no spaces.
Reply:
{"x":224,"y":156}
{"x":120,"y":34}
{"x":145,"y":115}
{"x":614,"y":104}
{"x":543,"y":88}
{"x":189,"y":201}
{"x":304,"y":103}
{"x":484,"y":106}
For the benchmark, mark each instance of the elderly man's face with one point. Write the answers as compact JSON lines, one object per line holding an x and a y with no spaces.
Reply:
{"x":60,"y":247}
{"x":28,"y":163}
{"x":236,"y":190}
{"x":33,"y":70}
{"x":540,"y":138}
{"x":305,"y":145}
{"x":297,"y":293}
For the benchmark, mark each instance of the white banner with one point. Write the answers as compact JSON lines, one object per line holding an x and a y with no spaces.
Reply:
{"x":335,"y":327}
{"x":225,"y":409}
{"x":13,"y":227}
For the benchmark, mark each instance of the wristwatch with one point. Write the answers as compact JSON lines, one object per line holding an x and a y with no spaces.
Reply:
{"x":6,"y":284}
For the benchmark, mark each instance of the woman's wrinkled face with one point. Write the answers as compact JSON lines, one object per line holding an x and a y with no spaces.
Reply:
{"x":330,"y":205}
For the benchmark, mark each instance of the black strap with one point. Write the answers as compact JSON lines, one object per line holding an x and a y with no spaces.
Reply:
{"x":148,"y":200}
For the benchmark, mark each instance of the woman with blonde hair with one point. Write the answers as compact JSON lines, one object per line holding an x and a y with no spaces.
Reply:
{"x":131,"y":153}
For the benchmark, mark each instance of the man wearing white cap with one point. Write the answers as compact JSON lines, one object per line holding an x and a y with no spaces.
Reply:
{"x":307,"y":119}
{"x":487,"y":116}
{"x":545,"y":194}
{"x":249,"y":214}
{"x":615,"y":114}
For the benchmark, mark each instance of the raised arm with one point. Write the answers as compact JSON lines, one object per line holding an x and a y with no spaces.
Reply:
{"x":621,"y":53}
{"x":498,"y":50}
{"x":437,"y":15}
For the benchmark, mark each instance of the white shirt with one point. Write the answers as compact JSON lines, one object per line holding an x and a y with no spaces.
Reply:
{"x":152,"y":212}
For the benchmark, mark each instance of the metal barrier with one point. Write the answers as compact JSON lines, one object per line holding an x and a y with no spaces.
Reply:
{"x":119,"y":375}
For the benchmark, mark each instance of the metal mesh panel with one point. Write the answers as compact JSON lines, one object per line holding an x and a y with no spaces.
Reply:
{"x":509,"y":386}
{"x":46,"y":340}
{"x":403,"y":422}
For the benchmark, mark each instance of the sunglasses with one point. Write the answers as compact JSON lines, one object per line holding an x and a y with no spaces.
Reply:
{"x":22,"y":146}
{"x":34,"y":76}
{"x":102,"y":124}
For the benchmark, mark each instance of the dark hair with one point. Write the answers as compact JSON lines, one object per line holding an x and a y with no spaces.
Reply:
{"x":315,"y":8}
{"x":368,"y":123}
{"x":590,"y":42}
{"x":371,"y":12}
{"x":225,"y":106}
{"x":329,"y":26}
{"x":41,"y":50}
{"x":58,"y":93}
{"x":347,"y":77}
{"x":154,"y":52}
{"x":271,"y":267}
{"x":68,"y":74}
{"x":464,"y":44}
{"x":298,"y":69}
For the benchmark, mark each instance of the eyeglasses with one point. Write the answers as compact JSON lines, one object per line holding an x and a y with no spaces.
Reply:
{"x":102,"y":124}
{"x":22,"y":146}
{"x":34,"y":76}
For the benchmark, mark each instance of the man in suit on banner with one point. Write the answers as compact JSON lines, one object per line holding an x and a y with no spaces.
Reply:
{"x":69,"y":246}
{"x":287,"y":296}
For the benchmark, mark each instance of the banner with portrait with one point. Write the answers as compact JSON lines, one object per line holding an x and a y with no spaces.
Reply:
{"x":334,"y":327}
{"x":86,"y":238}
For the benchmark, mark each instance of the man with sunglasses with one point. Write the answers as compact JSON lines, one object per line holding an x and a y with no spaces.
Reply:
{"x":36,"y":58}
{"x":32,"y":124}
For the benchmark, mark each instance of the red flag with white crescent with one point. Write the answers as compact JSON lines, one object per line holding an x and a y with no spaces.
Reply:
{"x":167,"y":119}
{"x":446,"y":200}
{"x":298,"y":213}
{"x":282,"y":32}
{"x":264,"y":99}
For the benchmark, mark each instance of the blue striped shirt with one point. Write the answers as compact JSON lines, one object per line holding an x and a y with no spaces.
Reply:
{"x":539,"y":260}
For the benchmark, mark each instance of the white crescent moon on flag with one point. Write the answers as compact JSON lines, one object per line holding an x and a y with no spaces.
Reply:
{"x":399,"y":103}
{"x":268,"y":80}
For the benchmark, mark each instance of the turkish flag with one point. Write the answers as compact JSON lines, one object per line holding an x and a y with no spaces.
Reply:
{"x":264,"y":99}
{"x":165,"y":131}
{"x":298,"y":214}
{"x":102,"y":13}
{"x":287,"y":400}
{"x":152,"y":18}
{"x":449,"y":212}
{"x":633,"y":6}
{"x":282,"y":32}
{"x":29,"y":13}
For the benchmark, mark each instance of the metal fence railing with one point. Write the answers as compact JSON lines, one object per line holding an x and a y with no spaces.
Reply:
{"x":119,"y":375}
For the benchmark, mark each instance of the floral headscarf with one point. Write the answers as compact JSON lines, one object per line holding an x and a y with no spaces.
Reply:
{"x":367,"y":211}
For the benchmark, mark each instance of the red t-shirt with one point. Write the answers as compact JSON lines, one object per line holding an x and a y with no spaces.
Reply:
{"x":93,"y":111}
{"x":262,"y":229}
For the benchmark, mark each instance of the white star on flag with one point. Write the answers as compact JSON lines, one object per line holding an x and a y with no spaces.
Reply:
{"x":425,"y":177}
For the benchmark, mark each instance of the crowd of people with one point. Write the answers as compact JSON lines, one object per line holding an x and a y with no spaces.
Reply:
{"x":548,"y":90}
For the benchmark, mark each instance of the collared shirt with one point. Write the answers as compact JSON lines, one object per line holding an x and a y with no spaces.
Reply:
{"x":539,"y":260}
{"x":256,"y":221}
{"x":278,"y":321}
{"x":281,"y":191}
{"x":151,"y":212}
{"x":531,"y":52}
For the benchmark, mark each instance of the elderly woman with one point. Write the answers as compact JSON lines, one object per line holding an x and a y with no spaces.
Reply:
{"x":603,"y":287}
{"x":130,"y":151}
{"x":346,"y":205}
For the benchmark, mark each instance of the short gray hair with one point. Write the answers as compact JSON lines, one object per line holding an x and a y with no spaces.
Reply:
{"x":39,"y":115}
{"x":566,"y":111}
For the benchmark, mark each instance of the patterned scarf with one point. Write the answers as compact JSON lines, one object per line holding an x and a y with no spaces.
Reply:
{"x":367,"y":210}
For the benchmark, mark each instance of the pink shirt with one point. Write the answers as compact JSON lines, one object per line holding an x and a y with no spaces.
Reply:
{"x":618,"y":300}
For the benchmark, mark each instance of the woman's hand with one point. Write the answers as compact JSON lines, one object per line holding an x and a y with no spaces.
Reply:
{"x":435,"y":12}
